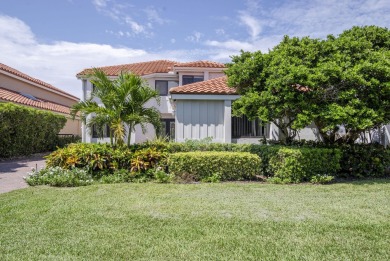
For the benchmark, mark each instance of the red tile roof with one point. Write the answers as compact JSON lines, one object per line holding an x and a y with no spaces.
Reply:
{"x":11,"y":96}
{"x":143,"y":68}
{"x":213,"y":86}
{"x":202,"y":64}
{"x":15,"y":72}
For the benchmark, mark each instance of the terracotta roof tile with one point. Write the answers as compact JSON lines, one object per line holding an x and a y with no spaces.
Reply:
{"x":11,"y":96}
{"x":143,"y":68}
{"x":202,"y":64}
{"x":15,"y":72}
{"x":213,"y":86}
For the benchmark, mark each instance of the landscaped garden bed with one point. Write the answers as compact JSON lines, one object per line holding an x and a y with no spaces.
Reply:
{"x":159,"y":161}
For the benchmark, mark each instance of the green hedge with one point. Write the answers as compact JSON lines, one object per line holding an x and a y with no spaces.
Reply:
{"x":364,"y":161}
{"x":24,"y":130}
{"x":294,"y":165}
{"x":206,"y":165}
{"x":277,"y":161}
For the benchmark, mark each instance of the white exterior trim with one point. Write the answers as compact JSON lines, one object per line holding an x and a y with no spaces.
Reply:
{"x":227,"y":122}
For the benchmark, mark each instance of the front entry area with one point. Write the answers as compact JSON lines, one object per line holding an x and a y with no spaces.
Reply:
{"x":168,"y":128}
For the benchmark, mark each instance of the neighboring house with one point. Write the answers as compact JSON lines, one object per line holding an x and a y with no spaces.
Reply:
{"x":22,"y":89}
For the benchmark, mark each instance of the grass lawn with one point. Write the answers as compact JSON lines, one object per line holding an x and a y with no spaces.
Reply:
{"x":227,"y":221}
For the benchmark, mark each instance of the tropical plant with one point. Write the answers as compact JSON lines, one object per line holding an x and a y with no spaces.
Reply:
{"x":123,"y":101}
{"x":343,"y":81}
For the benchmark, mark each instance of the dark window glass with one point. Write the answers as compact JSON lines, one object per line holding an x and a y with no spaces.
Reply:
{"x":94,"y":131}
{"x":168,"y":128}
{"x":104,"y":133}
{"x":242,"y":127}
{"x":187,"y":79}
{"x":162,"y":87}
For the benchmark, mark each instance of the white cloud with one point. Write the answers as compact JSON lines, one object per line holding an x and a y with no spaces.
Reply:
{"x":254,"y":25}
{"x":173,"y":40}
{"x":153,"y":16}
{"x":126,"y":14}
{"x":58,"y":63}
{"x":315,"y":18}
{"x":220,"y":31}
{"x":135,"y":27}
{"x":231,"y":45}
{"x":100,"y":3}
{"x":195,"y":37}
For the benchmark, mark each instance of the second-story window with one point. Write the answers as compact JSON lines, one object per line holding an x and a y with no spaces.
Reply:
{"x":187,"y":79}
{"x":162,"y":87}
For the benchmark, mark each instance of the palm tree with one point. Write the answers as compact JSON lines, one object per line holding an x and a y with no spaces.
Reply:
{"x":123,"y":101}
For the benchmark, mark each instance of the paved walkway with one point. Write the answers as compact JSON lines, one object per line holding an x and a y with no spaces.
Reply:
{"x":13,"y":171}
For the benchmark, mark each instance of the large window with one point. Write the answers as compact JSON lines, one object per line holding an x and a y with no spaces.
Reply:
{"x":168,"y":128}
{"x":187,"y":79}
{"x":102,"y":133}
{"x":162,"y":87}
{"x":244,"y":128}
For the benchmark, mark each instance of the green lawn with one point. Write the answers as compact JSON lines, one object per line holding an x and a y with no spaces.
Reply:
{"x":227,"y":221}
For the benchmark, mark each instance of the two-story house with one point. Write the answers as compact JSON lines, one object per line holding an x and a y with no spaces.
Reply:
{"x":196,"y":103}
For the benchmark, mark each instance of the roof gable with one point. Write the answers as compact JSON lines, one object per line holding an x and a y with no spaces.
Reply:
{"x":17,"y":73}
{"x":12,"y":96}
{"x":214,"y":86}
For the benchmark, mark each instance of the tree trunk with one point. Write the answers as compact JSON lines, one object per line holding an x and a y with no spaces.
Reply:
{"x":129,"y":134}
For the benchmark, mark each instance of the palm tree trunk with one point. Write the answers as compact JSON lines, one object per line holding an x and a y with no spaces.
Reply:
{"x":129,"y":134}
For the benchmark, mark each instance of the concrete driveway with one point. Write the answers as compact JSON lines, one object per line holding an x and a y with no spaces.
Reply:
{"x":13,"y":171}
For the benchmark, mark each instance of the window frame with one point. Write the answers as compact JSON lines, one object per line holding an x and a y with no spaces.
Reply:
{"x":106,"y":132}
{"x":242,"y":127}
{"x":158,"y":90}
{"x":193,"y":77}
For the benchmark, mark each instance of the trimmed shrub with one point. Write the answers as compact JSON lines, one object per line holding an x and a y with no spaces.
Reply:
{"x":204,"y":165}
{"x":24,"y":130}
{"x":59,"y":177}
{"x":364,"y":161}
{"x":294,"y":165}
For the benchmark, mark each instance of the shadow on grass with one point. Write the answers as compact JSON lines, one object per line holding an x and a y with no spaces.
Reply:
{"x":367,"y":181}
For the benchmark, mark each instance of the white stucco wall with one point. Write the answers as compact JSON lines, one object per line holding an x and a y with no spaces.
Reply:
{"x":213,"y":75}
{"x":197,"y":119}
{"x":308,"y":133}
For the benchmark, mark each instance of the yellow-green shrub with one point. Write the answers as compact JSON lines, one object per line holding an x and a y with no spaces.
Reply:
{"x":95,"y":157}
{"x":203,"y":165}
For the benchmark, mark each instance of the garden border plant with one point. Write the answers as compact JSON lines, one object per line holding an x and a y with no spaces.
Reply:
{"x":152,"y":161}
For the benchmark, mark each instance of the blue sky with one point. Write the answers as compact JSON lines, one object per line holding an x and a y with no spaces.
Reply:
{"x":53,"y":40}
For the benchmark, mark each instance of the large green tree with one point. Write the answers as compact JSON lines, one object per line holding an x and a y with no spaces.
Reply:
{"x":120,"y":104}
{"x":339,"y":81}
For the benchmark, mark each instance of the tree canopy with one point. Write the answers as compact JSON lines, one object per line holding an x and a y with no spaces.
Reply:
{"x":123,"y":101}
{"x":339,"y":81}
